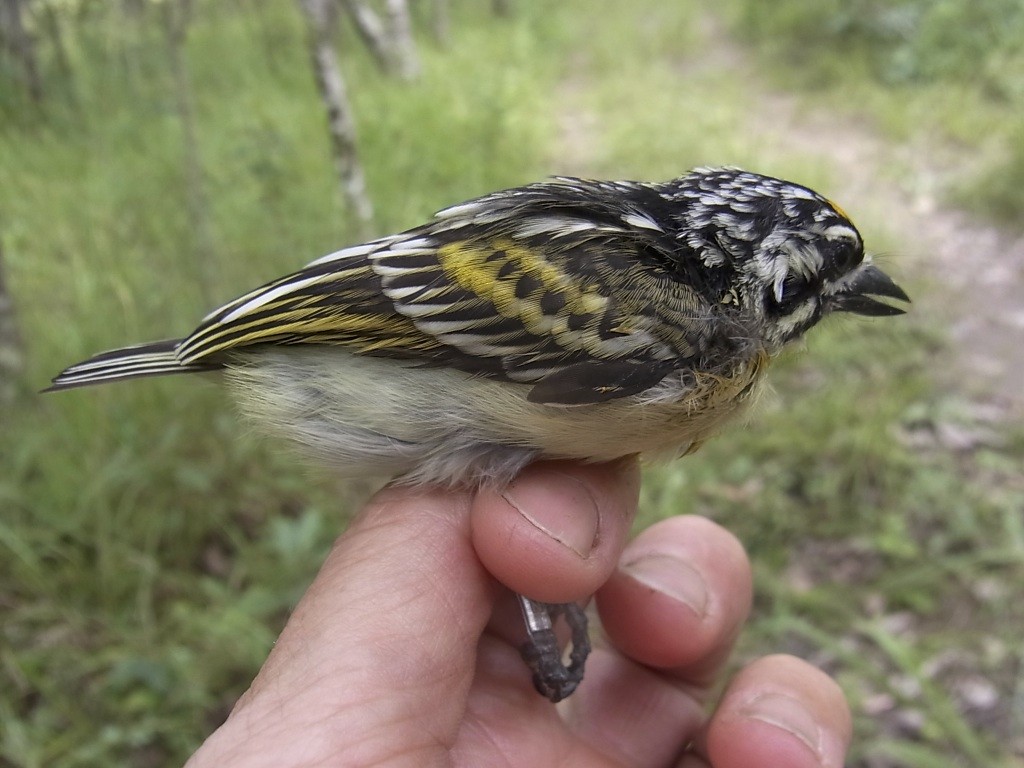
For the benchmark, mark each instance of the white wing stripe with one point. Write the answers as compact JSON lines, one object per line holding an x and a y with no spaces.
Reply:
{"x":268,"y":296}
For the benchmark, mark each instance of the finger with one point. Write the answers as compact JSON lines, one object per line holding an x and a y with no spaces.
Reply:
{"x":779,"y":710}
{"x":679,"y":599}
{"x":394,"y":615}
{"x":629,"y":713}
{"x":671,"y":611}
{"x":556,"y":532}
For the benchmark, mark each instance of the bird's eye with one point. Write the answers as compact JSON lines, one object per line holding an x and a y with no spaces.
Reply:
{"x":795,"y":291}
{"x":841,"y":256}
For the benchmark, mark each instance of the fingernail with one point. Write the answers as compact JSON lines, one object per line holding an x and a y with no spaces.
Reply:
{"x":673,"y":577}
{"x":790,"y":715}
{"x":566,"y":511}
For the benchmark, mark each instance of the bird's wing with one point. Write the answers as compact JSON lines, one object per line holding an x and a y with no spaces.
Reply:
{"x":532,"y":289}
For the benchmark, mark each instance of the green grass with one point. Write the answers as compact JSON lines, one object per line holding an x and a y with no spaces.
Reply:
{"x":150,"y":548}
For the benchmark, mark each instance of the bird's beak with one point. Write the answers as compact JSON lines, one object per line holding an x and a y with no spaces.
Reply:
{"x":857,"y":293}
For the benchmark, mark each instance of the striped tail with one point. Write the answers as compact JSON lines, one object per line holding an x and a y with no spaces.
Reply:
{"x":154,"y":359}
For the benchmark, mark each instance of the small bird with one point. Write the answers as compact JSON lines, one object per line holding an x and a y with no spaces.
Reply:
{"x":569,"y":318}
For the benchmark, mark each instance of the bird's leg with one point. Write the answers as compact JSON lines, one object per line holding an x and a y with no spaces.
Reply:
{"x":552,"y":678}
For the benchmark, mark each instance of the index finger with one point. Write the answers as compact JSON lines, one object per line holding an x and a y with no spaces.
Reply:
{"x":679,"y":598}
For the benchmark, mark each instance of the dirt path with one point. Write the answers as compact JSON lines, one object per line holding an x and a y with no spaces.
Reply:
{"x":972,"y":273}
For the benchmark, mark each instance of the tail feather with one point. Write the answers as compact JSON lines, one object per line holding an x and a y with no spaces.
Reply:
{"x":156,"y":358}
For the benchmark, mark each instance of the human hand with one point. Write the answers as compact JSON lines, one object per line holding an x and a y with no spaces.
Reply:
{"x":404,"y":651}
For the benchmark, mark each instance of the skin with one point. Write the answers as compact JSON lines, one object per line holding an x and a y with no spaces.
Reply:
{"x":403,"y":650}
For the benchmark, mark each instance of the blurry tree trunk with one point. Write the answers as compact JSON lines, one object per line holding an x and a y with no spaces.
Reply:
{"x":390,"y":40}
{"x":319,"y":18}
{"x":177,"y":14}
{"x":17,"y":39}
{"x":403,"y":48}
{"x":12,"y":358}
{"x":371,"y":30}
{"x":440,"y":21}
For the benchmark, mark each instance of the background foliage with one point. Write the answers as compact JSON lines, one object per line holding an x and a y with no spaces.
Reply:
{"x":150,"y":548}
{"x":945,"y":67}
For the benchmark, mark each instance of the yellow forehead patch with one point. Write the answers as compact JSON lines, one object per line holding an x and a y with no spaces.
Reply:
{"x":838,"y":209}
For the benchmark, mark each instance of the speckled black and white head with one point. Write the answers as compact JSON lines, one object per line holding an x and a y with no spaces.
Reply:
{"x":792,"y":255}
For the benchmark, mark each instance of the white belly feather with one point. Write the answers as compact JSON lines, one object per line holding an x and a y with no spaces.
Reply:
{"x":365,"y":415}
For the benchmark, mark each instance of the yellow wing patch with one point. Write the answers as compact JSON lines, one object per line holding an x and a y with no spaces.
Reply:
{"x":496,"y":271}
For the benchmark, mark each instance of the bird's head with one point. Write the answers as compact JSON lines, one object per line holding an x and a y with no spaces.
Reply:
{"x":792,"y":255}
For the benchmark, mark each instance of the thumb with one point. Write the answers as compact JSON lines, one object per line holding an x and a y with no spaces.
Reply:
{"x":394,"y":615}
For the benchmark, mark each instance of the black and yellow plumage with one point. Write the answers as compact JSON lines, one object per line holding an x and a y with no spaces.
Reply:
{"x":582,"y":291}
{"x":570,"y":318}
{"x":516,"y":286}
{"x":657,"y":302}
